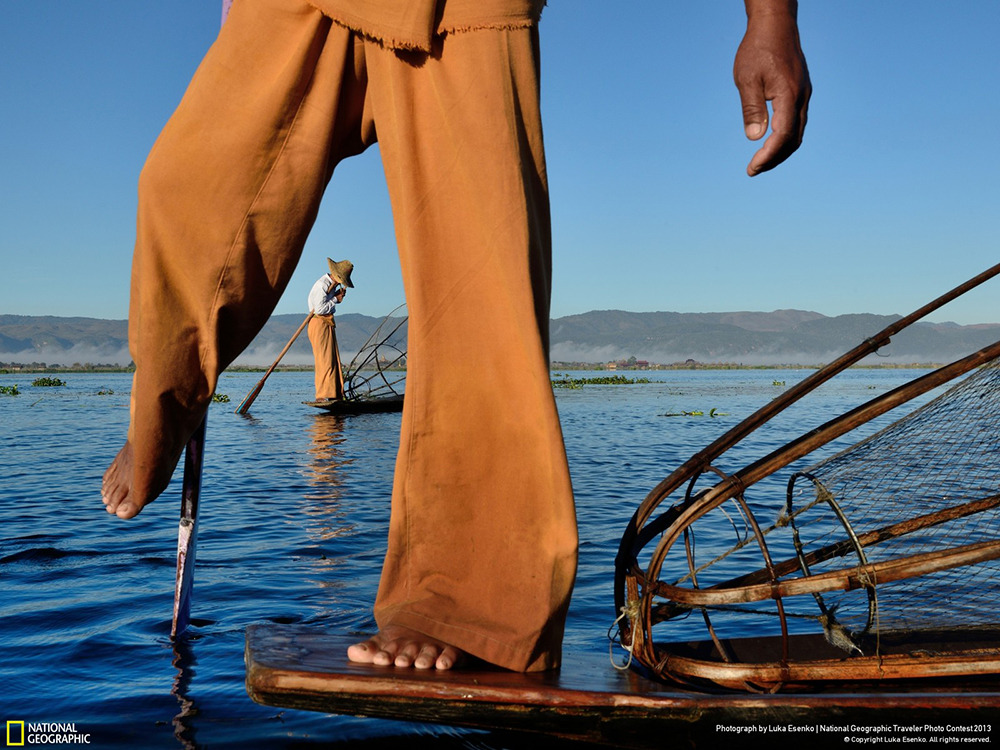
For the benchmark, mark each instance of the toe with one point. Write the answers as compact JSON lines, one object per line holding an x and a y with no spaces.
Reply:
{"x":405,"y":649}
{"x":427,"y":658}
{"x":362,"y":653}
{"x":448,"y":658}
{"x":386,"y":655}
{"x":407,"y":655}
{"x":127,"y":510}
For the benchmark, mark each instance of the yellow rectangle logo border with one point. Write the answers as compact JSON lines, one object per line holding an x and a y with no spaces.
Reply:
{"x":15,"y":723}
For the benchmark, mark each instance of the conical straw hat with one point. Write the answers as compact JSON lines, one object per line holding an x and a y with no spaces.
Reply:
{"x":341,"y":271}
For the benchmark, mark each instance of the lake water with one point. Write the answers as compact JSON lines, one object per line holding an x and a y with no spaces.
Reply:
{"x":293,"y":519}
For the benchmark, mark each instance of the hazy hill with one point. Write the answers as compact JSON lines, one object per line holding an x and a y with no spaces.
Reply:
{"x":54,"y":340}
{"x":778,"y":337}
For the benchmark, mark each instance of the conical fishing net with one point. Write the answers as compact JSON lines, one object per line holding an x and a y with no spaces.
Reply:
{"x":879,"y":562}
{"x":378,"y":371}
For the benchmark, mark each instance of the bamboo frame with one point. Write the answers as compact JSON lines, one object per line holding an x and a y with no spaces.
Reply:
{"x":636,"y":588}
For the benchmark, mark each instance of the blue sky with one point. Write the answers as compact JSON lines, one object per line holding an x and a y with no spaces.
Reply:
{"x":892,"y":199}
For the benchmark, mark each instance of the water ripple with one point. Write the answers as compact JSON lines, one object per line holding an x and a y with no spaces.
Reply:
{"x":295,"y":508}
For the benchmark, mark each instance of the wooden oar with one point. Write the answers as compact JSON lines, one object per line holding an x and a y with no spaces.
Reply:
{"x":187,"y":531}
{"x":245,"y":404}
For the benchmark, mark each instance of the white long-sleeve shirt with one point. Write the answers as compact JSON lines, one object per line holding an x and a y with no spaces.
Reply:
{"x":322,"y":296}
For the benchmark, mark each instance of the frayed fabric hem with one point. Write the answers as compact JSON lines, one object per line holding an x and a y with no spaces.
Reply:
{"x":403,"y":40}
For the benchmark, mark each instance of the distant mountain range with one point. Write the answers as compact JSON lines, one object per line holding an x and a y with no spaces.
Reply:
{"x":752,"y":338}
{"x":53,"y":340}
{"x":749,"y":338}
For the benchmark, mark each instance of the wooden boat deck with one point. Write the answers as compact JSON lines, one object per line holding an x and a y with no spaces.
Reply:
{"x":294,"y":666}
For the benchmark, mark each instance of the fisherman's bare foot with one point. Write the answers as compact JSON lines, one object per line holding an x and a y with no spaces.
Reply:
{"x":116,"y":484}
{"x":402,"y":647}
{"x":119,"y":490}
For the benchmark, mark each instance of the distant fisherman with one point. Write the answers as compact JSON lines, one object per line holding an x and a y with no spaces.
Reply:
{"x":326,"y":294}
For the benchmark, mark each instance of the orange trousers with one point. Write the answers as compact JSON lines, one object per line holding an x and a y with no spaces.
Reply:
{"x":482,"y":533}
{"x":327,"y":370}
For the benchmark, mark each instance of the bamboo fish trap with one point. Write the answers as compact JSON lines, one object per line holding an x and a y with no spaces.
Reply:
{"x":881,"y":562}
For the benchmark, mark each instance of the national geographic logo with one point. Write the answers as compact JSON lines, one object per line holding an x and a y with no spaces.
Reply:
{"x":15,"y":733}
{"x":20,"y":734}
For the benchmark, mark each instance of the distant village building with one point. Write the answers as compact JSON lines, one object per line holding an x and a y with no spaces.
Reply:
{"x":628,"y":364}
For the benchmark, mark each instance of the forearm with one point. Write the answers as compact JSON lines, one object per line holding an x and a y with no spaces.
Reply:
{"x":326,"y":307}
{"x":762,"y":8}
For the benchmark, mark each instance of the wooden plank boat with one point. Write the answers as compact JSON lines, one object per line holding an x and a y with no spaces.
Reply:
{"x":294,"y":666}
{"x":385,"y":404}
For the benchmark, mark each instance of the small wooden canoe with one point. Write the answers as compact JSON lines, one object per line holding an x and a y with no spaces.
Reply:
{"x":294,"y":666}
{"x":360,"y":405}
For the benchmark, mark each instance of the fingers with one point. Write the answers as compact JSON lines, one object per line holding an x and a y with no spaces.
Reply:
{"x":754,"y":111}
{"x":787,"y":127}
{"x":755,"y":121}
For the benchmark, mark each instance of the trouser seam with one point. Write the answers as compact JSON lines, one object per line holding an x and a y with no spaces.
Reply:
{"x":240,"y":232}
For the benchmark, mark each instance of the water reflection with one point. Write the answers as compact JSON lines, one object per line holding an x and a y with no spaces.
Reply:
{"x":325,"y":471}
{"x":327,"y":457}
{"x":183,"y":723}
{"x":327,"y":468}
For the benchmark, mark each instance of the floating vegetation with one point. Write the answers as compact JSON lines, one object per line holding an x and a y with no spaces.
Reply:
{"x":565,"y":381}
{"x":713,"y":413}
{"x":47,"y":382}
{"x":105,"y":392}
{"x":220,"y":398}
{"x":9,"y":390}
{"x":777,"y":382}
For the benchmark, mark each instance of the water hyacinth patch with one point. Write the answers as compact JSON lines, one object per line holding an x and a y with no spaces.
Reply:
{"x":565,"y":381}
{"x":47,"y":382}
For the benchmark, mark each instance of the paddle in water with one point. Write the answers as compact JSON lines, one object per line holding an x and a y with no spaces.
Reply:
{"x":187,"y":532}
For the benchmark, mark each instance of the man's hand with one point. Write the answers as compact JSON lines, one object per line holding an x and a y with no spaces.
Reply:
{"x":770,"y":66}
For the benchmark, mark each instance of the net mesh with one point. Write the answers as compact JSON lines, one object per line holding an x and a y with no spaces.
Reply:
{"x":925,"y":484}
